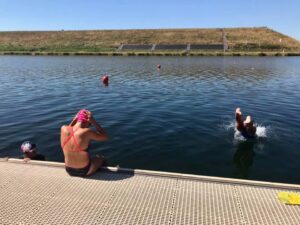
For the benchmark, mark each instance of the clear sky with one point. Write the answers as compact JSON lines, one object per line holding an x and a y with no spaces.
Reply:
{"x":283,"y":16}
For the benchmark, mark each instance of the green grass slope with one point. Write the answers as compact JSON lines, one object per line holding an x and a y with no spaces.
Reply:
{"x":101,"y":41}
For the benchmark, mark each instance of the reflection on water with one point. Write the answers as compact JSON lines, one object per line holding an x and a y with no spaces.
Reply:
{"x":243,"y":158}
{"x":169,"y":119}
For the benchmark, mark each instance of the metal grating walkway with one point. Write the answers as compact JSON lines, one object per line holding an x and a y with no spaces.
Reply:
{"x":39,"y":194}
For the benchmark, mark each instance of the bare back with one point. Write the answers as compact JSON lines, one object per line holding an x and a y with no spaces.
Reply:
{"x":75,"y":142}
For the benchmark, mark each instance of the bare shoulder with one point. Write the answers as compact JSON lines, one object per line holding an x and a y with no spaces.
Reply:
{"x":87,"y":130}
{"x":64,"y":128}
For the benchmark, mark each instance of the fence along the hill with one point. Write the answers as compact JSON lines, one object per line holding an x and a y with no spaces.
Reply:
{"x":136,"y":47}
{"x":173,"y":47}
{"x":207,"y":47}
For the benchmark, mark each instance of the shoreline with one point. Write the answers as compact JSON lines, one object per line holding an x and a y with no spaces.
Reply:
{"x":133,"y":53}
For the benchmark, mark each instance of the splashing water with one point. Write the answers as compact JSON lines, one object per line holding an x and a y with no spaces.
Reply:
{"x":229,"y":126}
{"x":238,"y":136}
{"x":261,"y":131}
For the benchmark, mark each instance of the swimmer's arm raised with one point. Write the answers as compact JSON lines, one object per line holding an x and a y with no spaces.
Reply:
{"x":99,"y":128}
{"x":100,"y":133}
{"x":73,"y":122}
{"x":96,"y":136}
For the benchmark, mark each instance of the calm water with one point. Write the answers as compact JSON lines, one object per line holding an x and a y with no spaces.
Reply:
{"x":177,"y":119}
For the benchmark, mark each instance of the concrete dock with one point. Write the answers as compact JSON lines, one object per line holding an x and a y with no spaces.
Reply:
{"x":43,"y":193}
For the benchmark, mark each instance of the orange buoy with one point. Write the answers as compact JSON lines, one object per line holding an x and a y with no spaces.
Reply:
{"x":105,"y":79}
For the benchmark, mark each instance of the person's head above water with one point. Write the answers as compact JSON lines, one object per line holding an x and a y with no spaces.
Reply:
{"x":28,"y":147}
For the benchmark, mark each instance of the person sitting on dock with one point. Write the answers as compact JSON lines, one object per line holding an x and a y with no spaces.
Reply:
{"x":246,"y":127}
{"x":75,"y":139}
{"x":30,"y":152}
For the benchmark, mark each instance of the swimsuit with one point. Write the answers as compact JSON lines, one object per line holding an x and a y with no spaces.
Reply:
{"x":79,"y":172}
{"x":246,"y":135}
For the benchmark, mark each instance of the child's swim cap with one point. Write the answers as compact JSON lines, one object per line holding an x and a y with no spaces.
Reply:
{"x":27,"y":146}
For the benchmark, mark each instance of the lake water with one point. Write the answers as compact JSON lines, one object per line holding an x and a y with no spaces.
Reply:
{"x":179,"y":119}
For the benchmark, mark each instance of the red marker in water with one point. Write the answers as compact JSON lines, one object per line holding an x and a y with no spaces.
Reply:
{"x":105,"y":79}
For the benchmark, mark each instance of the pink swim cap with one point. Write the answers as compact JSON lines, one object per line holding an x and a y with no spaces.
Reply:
{"x":82,"y":116}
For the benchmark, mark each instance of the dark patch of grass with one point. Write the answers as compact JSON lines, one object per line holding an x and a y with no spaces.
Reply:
{"x":292,"y":54}
{"x":262,"y":54}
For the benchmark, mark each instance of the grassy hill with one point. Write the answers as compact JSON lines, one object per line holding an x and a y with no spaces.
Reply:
{"x":260,"y":38}
{"x":242,"y":40}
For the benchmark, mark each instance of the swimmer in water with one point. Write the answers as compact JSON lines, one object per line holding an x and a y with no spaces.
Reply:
{"x":246,"y":127}
{"x":29,"y":150}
